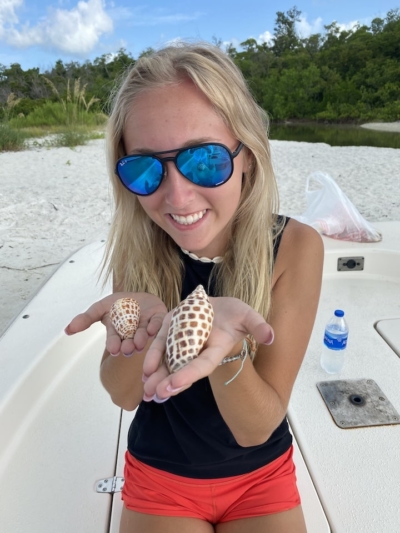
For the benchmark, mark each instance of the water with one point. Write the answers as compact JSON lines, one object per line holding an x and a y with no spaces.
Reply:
{"x":334,"y":135}
{"x":332,"y":361}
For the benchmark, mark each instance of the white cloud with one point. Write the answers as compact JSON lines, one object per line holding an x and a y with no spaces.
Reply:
{"x":232,"y":42}
{"x":306,"y":28}
{"x":74,"y":31}
{"x":7,"y":12}
{"x":265,"y":37}
{"x":349,"y":26}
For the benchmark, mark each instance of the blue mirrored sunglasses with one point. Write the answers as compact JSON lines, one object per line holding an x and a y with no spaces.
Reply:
{"x":206,"y":165}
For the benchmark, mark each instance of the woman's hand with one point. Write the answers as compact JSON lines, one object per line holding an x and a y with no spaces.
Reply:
{"x":152,"y":313}
{"x":233,"y":320}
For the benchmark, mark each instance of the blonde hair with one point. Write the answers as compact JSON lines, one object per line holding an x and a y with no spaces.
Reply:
{"x":139,"y":254}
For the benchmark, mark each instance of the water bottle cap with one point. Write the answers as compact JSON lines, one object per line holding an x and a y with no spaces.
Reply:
{"x":339,"y":312}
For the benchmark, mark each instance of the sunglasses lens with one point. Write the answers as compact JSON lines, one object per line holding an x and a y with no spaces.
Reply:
{"x":140,"y":174}
{"x":208,"y":166}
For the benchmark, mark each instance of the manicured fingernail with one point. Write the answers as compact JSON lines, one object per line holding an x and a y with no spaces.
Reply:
{"x":159,"y":400}
{"x":128,"y":354}
{"x":271,"y":339}
{"x":171,"y":389}
{"x":144,"y":378}
{"x":147,"y":398}
{"x":114,"y":354}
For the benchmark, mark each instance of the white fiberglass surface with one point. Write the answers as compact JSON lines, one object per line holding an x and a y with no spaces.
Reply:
{"x":60,"y":435}
{"x":342,"y":462}
{"x":390,"y":331}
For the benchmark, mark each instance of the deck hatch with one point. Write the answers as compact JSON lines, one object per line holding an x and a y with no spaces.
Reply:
{"x":357,"y":403}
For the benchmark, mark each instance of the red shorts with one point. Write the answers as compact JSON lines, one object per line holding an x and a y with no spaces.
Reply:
{"x":267,"y":490}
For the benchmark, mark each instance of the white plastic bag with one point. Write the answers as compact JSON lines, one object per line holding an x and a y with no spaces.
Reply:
{"x":331,"y":213}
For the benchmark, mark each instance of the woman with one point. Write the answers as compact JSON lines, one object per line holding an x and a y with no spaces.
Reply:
{"x":209,"y":448}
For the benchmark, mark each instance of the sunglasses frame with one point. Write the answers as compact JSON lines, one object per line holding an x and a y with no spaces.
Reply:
{"x":174,"y":158}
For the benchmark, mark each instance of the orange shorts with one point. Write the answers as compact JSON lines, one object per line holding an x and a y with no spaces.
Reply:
{"x":267,"y":490}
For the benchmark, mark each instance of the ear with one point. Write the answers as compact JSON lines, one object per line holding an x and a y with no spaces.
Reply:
{"x":248,"y":161}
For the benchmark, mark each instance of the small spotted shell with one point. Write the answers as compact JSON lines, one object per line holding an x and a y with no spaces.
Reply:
{"x":124,"y":314}
{"x":189,"y":329}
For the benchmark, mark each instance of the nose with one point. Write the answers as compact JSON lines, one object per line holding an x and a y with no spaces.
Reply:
{"x":178,"y":190}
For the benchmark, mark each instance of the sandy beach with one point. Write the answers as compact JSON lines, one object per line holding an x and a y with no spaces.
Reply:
{"x":383,"y":126}
{"x":53,"y":201}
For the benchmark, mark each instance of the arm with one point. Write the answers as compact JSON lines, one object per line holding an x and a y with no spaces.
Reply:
{"x":122,"y":378}
{"x":121,"y":373}
{"x":255,"y":403}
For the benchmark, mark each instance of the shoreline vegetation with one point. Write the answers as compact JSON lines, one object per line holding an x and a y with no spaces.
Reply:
{"x":349,"y":77}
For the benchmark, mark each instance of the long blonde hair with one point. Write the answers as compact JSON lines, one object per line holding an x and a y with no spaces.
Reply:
{"x":139,"y":254}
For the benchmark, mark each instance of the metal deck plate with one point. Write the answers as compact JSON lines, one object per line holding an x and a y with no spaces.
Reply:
{"x":357,"y":403}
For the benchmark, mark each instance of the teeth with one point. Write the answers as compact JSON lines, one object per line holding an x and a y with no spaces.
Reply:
{"x":191,"y":219}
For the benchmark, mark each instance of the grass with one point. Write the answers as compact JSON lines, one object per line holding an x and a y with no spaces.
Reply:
{"x":70,"y":121}
{"x":72,"y":137}
{"x":11,"y":139}
{"x":53,"y":114}
{"x":14,"y":139}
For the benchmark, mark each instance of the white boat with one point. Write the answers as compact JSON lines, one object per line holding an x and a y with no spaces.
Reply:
{"x":62,"y":440}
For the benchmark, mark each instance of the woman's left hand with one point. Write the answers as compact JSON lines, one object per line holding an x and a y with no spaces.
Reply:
{"x":233,"y":320}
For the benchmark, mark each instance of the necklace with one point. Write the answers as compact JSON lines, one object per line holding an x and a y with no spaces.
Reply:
{"x":217,"y":259}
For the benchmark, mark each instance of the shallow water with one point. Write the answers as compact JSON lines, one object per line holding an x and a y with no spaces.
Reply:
{"x":334,"y":135}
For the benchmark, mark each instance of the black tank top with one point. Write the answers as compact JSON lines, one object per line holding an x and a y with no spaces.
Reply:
{"x":187,"y":435}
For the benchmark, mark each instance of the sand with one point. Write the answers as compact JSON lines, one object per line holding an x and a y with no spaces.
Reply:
{"x":53,"y":201}
{"x":383,"y":126}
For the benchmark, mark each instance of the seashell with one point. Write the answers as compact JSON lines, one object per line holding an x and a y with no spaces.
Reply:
{"x":190,"y":327}
{"x":124,"y":314}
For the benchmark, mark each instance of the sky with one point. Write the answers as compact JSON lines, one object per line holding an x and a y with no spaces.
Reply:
{"x":36,"y":34}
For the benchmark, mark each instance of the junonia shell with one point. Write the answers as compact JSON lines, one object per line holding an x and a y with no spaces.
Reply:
{"x":125,"y":314}
{"x":189,"y":329}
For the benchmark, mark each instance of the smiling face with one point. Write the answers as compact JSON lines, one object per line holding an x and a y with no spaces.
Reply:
{"x":197,"y":218}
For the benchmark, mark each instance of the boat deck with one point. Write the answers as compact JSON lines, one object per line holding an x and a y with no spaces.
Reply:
{"x":356,"y":471}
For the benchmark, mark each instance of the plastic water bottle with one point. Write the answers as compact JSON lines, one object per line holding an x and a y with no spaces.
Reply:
{"x":335,"y":343}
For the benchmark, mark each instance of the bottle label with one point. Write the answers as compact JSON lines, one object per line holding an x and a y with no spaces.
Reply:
{"x":335,"y":343}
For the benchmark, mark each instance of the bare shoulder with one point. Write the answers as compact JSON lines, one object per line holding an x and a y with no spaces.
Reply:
{"x":297,"y":235}
{"x":300,"y":245}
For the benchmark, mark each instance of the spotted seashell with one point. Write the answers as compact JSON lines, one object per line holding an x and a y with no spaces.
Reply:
{"x":189,"y":329}
{"x":124,"y":314}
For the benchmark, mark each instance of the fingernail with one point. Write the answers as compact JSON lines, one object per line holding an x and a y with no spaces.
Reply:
{"x":114,"y":354}
{"x":128,"y":354}
{"x":171,"y":389}
{"x":159,"y":400}
{"x":144,"y":378}
{"x":147,"y":398}
{"x":271,"y":340}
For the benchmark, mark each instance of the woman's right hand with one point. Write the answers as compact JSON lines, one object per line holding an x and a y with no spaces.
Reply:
{"x":152,"y":313}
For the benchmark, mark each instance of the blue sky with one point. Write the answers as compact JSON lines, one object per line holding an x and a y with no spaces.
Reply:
{"x":36,"y":34}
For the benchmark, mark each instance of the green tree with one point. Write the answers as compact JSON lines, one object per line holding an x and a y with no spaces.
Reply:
{"x":285,"y":34}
